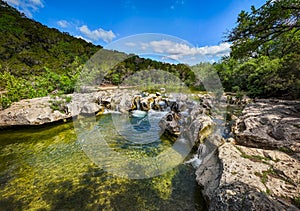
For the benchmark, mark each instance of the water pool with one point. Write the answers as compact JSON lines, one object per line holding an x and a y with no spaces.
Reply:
{"x":46,"y":169}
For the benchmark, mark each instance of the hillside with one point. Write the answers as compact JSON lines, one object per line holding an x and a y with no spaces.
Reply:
{"x":27,"y":47}
{"x":36,"y":60}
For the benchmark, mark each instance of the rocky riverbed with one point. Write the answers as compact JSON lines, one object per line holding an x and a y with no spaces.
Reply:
{"x":255,"y":167}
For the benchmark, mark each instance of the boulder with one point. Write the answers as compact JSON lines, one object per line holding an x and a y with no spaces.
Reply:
{"x":169,"y":124}
{"x":233,"y":99}
{"x":190,"y":123}
{"x":40,"y":111}
{"x":251,"y":179}
{"x":199,"y":128}
{"x":106,"y":101}
{"x":35,"y":111}
{"x":259,"y":168}
{"x":208,"y":173}
{"x":269,"y":124}
{"x":90,"y":108}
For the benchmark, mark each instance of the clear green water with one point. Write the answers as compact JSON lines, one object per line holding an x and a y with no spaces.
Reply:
{"x":46,"y":169}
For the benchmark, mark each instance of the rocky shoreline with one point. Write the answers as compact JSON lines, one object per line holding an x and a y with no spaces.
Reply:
{"x":257,"y":167}
{"x":45,"y":110}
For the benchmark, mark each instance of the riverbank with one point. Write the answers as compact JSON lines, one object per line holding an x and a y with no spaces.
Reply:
{"x":45,"y":110}
{"x":256,"y":167}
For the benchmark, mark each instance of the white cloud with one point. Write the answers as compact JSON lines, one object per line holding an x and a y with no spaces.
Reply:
{"x":97,"y":34}
{"x":26,"y":6}
{"x":63,"y":23}
{"x":36,"y":2}
{"x":130,"y":44}
{"x":144,"y":46}
{"x":183,"y":52}
{"x":80,"y":37}
{"x":13,"y":2}
{"x":181,"y":49}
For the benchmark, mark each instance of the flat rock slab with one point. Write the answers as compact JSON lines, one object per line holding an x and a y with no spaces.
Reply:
{"x":270,"y":124}
{"x":256,"y":179}
{"x":35,"y":111}
{"x":40,"y":111}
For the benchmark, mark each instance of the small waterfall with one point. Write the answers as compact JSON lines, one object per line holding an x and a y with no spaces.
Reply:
{"x":138,"y":105}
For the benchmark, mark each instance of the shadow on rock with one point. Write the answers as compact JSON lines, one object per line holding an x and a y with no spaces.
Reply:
{"x":241,"y":196}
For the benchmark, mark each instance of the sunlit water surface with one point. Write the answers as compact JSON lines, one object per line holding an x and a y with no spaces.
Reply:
{"x":46,"y":169}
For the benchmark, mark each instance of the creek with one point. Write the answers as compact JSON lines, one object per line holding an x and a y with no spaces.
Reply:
{"x":46,"y":168}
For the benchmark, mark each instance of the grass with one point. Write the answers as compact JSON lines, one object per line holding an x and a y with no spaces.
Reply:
{"x":286,"y":150}
{"x":68,"y":99}
{"x":273,"y":173}
{"x":254,"y":158}
{"x":264,"y":179}
{"x":296,"y":201}
{"x":60,"y":104}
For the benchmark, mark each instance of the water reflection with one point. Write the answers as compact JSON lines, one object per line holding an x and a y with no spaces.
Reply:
{"x":140,"y":124}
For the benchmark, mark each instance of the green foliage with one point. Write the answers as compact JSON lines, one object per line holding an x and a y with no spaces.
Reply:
{"x":296,"y":202}
{"x":36,"y":61}
{"x":18,"y":88}
{"x":68,"y":99}
{"x":265,"y":53}
{"x":115,"y":78}
{"x":131,"y":65}
{"x":262,"y":76}
{"x":59,"y":103}
{"x":271,"y":30}
{"x":254,"y":158}
{"x":286,"y":150}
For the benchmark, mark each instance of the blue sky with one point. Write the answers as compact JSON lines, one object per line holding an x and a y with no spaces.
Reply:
{"x":201,"y":23}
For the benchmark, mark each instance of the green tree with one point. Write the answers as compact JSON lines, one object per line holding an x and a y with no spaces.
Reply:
{"x":265,"y":54}
{"x":272,"y":29}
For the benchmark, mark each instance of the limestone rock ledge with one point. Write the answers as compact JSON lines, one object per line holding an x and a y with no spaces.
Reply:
{"x":256,"y":179}
{"x":270,"y":124}
{"x":260,"y":168}
{"x":39,"y":111}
